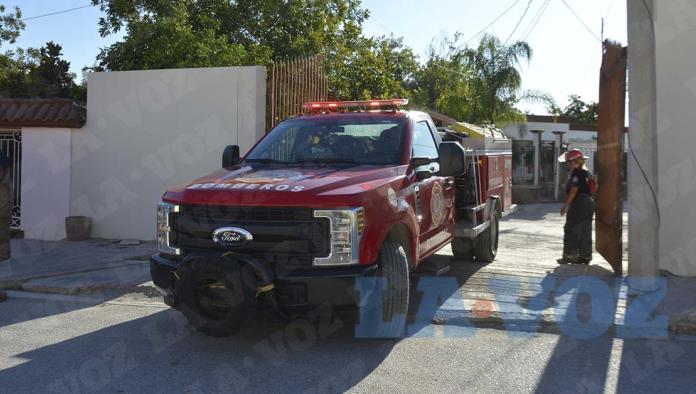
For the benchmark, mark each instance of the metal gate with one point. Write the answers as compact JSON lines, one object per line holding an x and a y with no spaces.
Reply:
{"x":11,"y":144}
{"x":292,"y":83}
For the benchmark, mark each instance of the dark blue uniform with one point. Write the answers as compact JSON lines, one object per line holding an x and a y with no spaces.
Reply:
{"x":577,"y":238}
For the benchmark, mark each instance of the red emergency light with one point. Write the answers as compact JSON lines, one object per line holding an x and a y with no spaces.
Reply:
{"x":325,"y":106}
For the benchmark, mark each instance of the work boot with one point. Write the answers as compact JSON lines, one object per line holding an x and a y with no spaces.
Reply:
{"x":568,"y":259}
{"x":584,"y":260}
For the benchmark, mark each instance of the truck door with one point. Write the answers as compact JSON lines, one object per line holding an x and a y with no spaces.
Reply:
{"x":435,"y":195}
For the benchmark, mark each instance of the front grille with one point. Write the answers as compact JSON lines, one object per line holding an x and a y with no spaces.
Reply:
{"x":282,"y":236}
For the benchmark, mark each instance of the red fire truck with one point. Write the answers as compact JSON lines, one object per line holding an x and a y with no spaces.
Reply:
{"x":345,"y":191}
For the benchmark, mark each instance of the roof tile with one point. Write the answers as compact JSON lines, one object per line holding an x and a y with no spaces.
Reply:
{"x":37,"y":112}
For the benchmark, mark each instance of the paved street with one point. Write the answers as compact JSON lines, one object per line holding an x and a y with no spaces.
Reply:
{"x":106,"y":342}
{"x":59,"y":345}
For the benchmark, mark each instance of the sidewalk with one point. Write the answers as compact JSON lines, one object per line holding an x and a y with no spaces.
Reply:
{"x":74,"y":267}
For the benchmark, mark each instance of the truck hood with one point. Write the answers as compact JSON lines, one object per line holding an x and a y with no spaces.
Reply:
{"x":287,"y":186}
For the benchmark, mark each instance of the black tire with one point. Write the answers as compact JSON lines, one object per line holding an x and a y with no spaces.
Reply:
{"x":393,"y":267}
{"x":228,"y":289}
{"x":486,"y":244}
{"x":463,"y":249}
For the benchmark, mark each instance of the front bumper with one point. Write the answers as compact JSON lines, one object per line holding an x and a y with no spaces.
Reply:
{"x":301,"y":290}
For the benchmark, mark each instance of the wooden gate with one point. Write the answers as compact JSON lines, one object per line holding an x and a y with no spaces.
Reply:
{"x":291,"y":83}
{"x":609,"y":170}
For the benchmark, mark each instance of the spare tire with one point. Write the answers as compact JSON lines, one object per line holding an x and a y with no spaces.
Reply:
{"x":216,"y":295}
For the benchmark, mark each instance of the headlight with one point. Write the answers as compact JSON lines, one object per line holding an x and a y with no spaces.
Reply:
{"x":345,"y":229}
{"x":164,"y":212}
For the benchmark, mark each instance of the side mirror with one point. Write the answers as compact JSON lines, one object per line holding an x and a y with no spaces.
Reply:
{"x":420,"y":161}
{"x":422,"y":167}
{"x":230,"y":156}
{"x":452,"y":159}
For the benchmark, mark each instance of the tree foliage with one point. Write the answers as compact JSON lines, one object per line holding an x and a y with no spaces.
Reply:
{"x":10,"y":25}
{"x":480,"y":84}
{"x":188,"y":33}
{"x":379,"y":67}
{"x":581,"y":112}
{"x":33,"y":72}
{"x":39,"y":72}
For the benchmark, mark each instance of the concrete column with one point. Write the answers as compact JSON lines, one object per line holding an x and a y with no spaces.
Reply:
{"x":643,"y":233}
{"x":537,"y":155}
{"x":556,"y":164}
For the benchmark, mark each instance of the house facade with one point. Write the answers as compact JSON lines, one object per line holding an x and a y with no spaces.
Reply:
{"x":661,"y":170}
{"x":141,"y":132}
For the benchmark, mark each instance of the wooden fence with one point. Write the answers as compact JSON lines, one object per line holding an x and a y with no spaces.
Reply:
{"x":291,"y":83}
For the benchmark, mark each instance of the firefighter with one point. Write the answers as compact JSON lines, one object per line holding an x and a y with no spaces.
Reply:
{"x":6,"y":202}
{"x":579,"y":206}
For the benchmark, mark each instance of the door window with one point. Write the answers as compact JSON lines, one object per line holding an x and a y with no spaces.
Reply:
{"x":423,"y":141}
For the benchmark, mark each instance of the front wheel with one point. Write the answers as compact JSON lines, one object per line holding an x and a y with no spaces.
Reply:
{"x":393,"y":269}
{"x":486,"y":244}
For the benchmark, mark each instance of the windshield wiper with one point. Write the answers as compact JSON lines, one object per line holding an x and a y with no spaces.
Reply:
{"x":267,"y":161}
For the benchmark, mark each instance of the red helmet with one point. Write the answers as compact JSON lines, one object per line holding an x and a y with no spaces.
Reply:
{"x":572,"y":154}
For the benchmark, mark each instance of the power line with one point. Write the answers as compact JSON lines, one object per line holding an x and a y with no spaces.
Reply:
{"x":56,"y":13}
{"x":609,"y":9}
{"x":491,"y":24}
{"x":519,"y":22}
{"x":581,"y":21}
{"x":535,"y":20}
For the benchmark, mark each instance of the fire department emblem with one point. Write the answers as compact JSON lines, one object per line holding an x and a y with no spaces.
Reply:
{"x":437,"y":204}
{"x":270,"y":176}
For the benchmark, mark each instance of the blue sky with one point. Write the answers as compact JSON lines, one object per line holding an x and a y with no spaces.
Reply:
{"x":566,"y":56}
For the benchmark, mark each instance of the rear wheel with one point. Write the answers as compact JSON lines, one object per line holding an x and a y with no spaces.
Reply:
{"x":463,"y":249}
{"x":486,"y":245}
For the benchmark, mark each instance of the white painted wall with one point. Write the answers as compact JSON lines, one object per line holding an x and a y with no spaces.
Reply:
{"x":45,"y":182}
{"x":675,"y":29}
{"x":517,"y":131}
{"x":148,"y":130}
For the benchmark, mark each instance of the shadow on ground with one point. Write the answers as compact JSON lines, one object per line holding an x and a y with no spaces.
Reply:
{"x":160,"y":352}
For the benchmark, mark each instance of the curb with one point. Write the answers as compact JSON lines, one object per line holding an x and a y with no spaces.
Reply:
{"x":680,"y":325}
{"x":146,"y":289}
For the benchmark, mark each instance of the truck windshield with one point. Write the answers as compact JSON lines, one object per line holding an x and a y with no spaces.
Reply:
{"x":348,"y":140}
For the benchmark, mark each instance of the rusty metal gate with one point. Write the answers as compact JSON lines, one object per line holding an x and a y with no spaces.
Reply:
{"x":291,"y":83}
{"x":11,"y":144}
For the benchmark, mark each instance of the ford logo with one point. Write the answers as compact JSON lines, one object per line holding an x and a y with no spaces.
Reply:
{"x":230,"y":237}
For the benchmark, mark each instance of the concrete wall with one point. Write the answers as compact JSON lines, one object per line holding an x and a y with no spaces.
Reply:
{"x":675,"y":54}
{"x":147,"y":130}
{"x":45,"y":182}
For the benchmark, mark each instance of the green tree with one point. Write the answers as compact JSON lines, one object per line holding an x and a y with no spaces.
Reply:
{"x":188,"y":33}
{"x":33,"y":72}
{"x":378,"y":67}
{"x":497,"y":82}
{"x":442,"y":83}
{"x":39,"y":72}
{"x":11,"y":25}
{"x":481,"y":84}
{"x":580,"y":111}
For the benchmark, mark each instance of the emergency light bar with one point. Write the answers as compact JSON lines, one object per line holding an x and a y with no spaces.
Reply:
{"x":367,"y":104}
